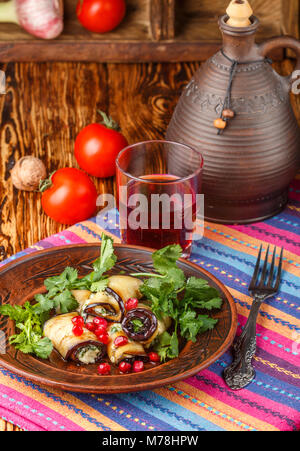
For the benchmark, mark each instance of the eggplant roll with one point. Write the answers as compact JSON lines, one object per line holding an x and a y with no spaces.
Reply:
{"x":125,"y":286}
{"x":129,"y":352}
{"x":106,"y":304}
{"x":141,"y":325}
{"x":84,"y":349}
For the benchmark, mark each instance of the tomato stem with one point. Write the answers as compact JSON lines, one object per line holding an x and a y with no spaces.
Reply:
{"x":109,"y":122}
{"x":46,"y":184}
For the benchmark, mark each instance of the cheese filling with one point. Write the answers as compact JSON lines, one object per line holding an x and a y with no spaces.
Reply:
{"x":88,"y":354}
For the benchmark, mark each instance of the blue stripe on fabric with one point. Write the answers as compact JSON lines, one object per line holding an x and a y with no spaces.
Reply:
{"x":56,"y":398}
{"x":98,"y":403}
{"x":231,"y":283}
{"x":264,"y":385}
{"x":170,"y":412}
{"x":285,"y":222}
{"x":206,"y":248}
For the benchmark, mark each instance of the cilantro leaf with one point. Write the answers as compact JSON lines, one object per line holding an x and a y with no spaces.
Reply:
{"x":167,"y":346}
{"x":200,"y":294}
{"x":63,"y":281}
{"x":191,"y":324}
{"x":42,"y":347}
{"x":107,"y":257}
{"x":99,"y":286}
{"x":166,"y":258}
{"x":15,"y":312}
{"x":137,"y":325}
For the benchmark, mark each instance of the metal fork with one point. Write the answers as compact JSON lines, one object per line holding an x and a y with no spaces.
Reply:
{"x":241,"y":372}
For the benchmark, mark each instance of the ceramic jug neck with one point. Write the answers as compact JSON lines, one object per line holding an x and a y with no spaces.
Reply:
{"x":239,"y":43}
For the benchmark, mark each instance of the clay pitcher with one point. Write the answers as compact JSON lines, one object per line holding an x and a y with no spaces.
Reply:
{"x":250,"y":164}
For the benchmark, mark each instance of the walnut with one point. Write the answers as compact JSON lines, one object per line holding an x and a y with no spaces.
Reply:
{"x":27,"y":173}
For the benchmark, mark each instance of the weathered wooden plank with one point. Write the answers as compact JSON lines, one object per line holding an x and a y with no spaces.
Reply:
{"x":162,"y":19}
{"x":45,"y":107}
{"x":290,"y":20}
{"x":147,"y":33}
{"x":5,"y":426}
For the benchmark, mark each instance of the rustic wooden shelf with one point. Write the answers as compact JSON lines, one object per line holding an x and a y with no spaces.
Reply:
{"x":153,"y":30}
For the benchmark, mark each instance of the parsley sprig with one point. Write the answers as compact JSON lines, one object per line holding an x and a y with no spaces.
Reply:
{"x":171,"y":294}
{"x":30,"y":318}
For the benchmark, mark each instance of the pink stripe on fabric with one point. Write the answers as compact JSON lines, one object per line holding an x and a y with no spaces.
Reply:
{"x":35,"y":412}
{"x":243,"y":399}
{"x":275,"y":343}
{"x":18,"y":421}
{"x":269,"y":234}
{"x":66,"y":237}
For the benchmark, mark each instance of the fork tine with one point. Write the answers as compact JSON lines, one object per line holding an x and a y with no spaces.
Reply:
{"x":264,"y":271}
{"x":272,"y":269}
{"x":256,"y":271}
{"x":277,"y":284}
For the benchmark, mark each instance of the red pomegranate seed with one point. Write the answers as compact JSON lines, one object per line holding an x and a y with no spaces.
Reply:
{"x":100,"y":330}
{"x":78,"y":320}
{"x":90,"y":326}
{"x":100,"y":322}
{"x":104,"y":368}
{"x":154,"y":357}
{"x":138,"y":366}
{"x":125,"y":367}
{"x":120,"y":341}
{"x":77,"y":330}
{"x":131,"y":303}
{"x":104,"y":338}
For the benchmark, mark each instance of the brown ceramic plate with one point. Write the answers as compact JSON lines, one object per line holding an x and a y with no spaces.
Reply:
{"x":22,"y":279}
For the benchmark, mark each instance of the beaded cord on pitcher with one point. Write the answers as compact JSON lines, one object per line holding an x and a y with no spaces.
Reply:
{"x":227,"y":112}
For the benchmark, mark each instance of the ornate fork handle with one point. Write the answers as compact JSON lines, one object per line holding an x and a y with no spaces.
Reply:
{"x":241,"y":372}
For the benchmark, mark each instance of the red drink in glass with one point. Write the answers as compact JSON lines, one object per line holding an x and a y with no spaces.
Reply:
{"x":157,"y":185}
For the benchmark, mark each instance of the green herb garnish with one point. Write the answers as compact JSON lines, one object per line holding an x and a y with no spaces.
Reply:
{"x":30,"y":319}
{"x":163,"y":289}
{"x":137,"y":325}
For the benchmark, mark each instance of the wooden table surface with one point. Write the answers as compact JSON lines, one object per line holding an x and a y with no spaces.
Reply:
{"x":45,"y":107}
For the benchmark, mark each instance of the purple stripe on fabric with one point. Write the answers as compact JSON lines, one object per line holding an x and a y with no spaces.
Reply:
{"x":283,"y":367}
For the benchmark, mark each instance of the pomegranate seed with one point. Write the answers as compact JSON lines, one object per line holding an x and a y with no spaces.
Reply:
{"x":154,"y":357}
{"x":104,"y":338}
{"x":77,"y":330}
{"x":125,"y":367}
{"x":100,"y":322}
{"x":78,"y":320}
{"x":138,"y":366}
{"x":104,"y":368}
{"x":100,"y":330}
{"x":90,"y":326}
{"x":120,"y":341}
{"x":131,"y":303}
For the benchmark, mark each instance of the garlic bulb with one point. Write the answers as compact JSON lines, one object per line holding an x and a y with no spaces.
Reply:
{"x":41,"y":18}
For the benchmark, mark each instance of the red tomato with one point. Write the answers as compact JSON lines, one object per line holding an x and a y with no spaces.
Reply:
{"x":100,"y":16}
{"x":71,"y":196}
{"x":97,"y":147}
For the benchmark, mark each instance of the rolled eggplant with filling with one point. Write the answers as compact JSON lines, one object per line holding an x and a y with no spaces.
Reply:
{"x":83,"y":349}
{"x":106,"y":304}
{"x":128,"y":352}
{"x":126,"y":286}
{"x":143,"y":326}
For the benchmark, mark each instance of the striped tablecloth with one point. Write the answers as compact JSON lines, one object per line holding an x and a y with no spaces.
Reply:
{"x":202,"y":403}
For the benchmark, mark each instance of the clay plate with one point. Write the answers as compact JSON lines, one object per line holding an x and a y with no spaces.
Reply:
{"x":22,"y":279}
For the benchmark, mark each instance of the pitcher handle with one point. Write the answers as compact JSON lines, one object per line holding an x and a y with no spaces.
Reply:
{"x":287,"y":42}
